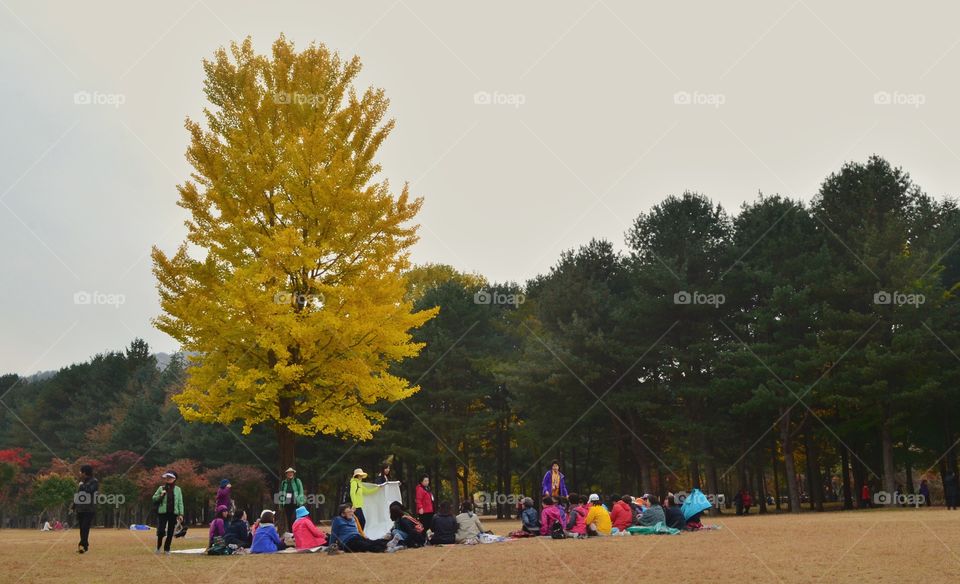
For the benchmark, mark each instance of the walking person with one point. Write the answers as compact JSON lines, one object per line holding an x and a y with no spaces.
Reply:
{"x":169,"y":500}
{"x":224,"y":495}
{"x":290,"y":497}
{"x":85,"y":506}
{"x":425,"y":502}
{"x":925,"y":492}
{"x":554,"y":484}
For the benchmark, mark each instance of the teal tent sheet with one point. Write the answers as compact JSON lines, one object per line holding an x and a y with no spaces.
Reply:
{"x":694,"y":503}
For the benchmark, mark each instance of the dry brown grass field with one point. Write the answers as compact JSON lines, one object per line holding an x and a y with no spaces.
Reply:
{"x":883,"y":545}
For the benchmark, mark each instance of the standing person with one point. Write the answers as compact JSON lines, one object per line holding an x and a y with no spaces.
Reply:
{"x":290,"y":496}
{"x":925,"y":492}
{"x":747,"y":502}
{"x":343,"y":530}
{"x":951,"y":489}
{"x":85,"y":505}
{"x":554,"y":484}
{"x":170,"y":509}
{"x":384,"y":476}
{"x":425,"y":502}
{"x":357,"y":491}
{"x":223,"y":495}
{"x":865,"y":496}
{"x":738,"y":502}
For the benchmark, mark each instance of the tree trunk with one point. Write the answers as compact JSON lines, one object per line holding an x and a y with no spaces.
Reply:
{"x":776,"y":475}
{"x":454,"y":484}
{"x":285,"y":446}
{"x":889,"y":471}
{"x":813,"y":471}
{"x":790,"y":469}
{"x":845,"y":477}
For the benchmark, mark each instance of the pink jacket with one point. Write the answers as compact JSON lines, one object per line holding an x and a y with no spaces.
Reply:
{"x":548,"y":515}
{"x":306,"y":535}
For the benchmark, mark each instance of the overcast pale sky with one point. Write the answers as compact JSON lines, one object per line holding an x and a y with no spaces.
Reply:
{"x":528,"y":127}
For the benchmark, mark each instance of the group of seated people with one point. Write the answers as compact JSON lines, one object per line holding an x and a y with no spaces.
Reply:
{"x":407,"y":531}
{"x":346,"y":533}
{"x":578,"y":516}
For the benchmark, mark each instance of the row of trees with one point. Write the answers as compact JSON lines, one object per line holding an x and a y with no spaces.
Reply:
{"x":798,"y":350}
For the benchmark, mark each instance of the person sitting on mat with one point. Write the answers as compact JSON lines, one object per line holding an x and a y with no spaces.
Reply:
{"x":444,"y":526}
{"x":238,"y":532}
{"x":468,"y":523}
{"x":598,"y":518}
{"x":654,"y":513}
{"x":266,"y":540}
{"x":529,"y":517}
{"x":408,"y":529}
{"x":305,"y":533}
{"x":218,"y":527}
{"x":345,"y":531}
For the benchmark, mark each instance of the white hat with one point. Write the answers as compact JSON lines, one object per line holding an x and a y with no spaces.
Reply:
{"x":593,"y":497}
{"x":264,"y":512}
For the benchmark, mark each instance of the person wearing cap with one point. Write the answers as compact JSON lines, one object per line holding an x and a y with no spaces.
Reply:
{"x":218,"y":527}
{"x":169,"y":500}
{"x":290,"y":496}
{"x":598,"y":518}
{"x":223,"y":495}
{"x":266,"y":540}
{"x":305,"y":533}
{"x":554,"y":484}
{"x":357,"y":491}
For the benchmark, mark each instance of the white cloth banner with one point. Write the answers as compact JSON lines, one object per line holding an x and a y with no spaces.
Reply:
{"x":376,"y":508}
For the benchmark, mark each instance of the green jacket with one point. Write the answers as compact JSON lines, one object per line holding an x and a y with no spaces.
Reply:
{"x":295,"y":487}
{"x":357,"y":491}
{"x":177,"y":500}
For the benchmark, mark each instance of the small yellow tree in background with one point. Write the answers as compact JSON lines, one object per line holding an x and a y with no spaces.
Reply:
{"x":294,"y":306}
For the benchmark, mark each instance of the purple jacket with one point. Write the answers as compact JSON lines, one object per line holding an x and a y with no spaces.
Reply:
{"x":223,"y":497}
{"x":546,"y":488}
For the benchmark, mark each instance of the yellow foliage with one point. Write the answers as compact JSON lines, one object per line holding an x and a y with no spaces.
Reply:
{"x":298,"y":301}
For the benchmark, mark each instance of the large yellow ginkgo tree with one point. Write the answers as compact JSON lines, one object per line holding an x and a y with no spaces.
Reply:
{"x":288,"y":292}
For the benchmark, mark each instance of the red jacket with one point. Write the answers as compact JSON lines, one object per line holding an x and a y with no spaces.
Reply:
{"x":424,"y":500}
{"x":621,"y":515}
{"x":306,"y":535}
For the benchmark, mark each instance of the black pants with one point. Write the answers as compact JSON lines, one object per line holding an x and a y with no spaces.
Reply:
{"x":362,"y":544}
{"x":288,"y":513}
{"x":426,"y":519}
{"x":166,"y":524}
{"x":358,"y":513}
{"x":85,"y":520}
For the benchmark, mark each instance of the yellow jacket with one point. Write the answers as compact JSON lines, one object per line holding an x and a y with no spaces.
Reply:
{"x":601,"y":517}
{"x":357,"y":491}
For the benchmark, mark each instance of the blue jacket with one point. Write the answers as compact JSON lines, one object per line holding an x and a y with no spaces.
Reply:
{"x":265,"y":540}
{"x":530,"y":519}
{"x":342,"y":529}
